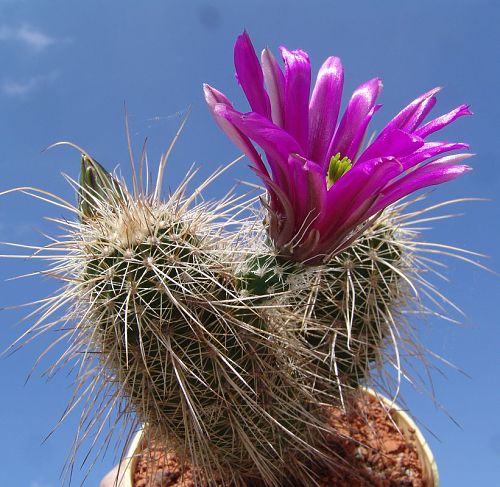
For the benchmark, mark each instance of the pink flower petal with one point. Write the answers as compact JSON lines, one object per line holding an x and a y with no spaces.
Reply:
{"x":428,"y":150}
{"x":392,"y":143}
{"x":413,"y":114}
{"x":360,"y":105}
{"x":297,"y":87}
{"x":443,"y":121}
{"x":362,"y":181}
{"x":276,"y":142}
{"x":275,"y":83}
{"x":250,"y":76}
{"x":324,"y":109}
{"x":214,"y":97}
{"x":433,"y":173}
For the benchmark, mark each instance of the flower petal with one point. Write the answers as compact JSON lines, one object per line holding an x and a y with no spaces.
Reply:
{"x":274,"y":140}
{"x":428,"y":150}
{"x":351,"y":126}
{"x":356,"y":142}
{"x":214,"y":97}
{"x":324,"y":109}
{"x":362,"y":182}
{"x":278,"y":205}
{"x":276,"y":143}
{"x":297,"y":87}
{"x":308,"y":182}
{"x":392,"y":143}
{"x":250,"y":76}
{"x":412,"y":115}
{"x":275,"y":83}
{"x":308,"y":220}
{"x":443,"y":121}
{"x":310,"y":187}
{"x":435,"y":172}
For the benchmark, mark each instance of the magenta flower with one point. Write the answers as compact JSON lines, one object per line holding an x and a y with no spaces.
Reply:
{"x":323,"y":188}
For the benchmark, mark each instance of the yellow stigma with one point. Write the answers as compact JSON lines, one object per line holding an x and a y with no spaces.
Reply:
{"x":337,"y":168}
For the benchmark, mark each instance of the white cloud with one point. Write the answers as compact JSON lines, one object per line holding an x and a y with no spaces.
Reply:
{"x":38,"y":484}
{"x":34,"y":38}
{"x":28,"y":36}
{"x":23,"y":87}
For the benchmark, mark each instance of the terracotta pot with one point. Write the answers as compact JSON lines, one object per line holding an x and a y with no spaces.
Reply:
{"x":401,"y":418}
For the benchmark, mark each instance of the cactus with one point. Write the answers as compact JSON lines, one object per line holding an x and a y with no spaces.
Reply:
{"x":224,"y":349}
{"x":224,"y":338}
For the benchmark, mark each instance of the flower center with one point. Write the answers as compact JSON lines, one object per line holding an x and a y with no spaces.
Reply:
{"x":337,"y":168}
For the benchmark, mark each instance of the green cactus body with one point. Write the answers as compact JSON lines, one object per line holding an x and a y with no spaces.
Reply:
{"x":356,"y":298}
{"x":191,"y":337}
{"x":343,"y":311}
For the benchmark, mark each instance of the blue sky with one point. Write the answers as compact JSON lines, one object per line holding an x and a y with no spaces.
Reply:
{"x":67,"y":69}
